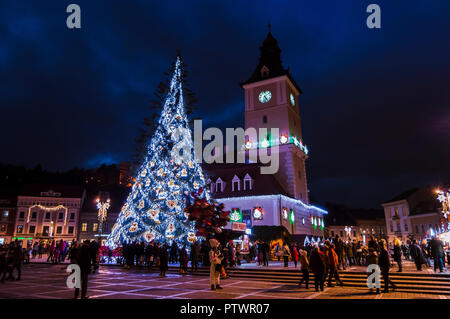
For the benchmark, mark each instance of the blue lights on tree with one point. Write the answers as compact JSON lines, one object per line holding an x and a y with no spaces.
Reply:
{"x":154,"y":210}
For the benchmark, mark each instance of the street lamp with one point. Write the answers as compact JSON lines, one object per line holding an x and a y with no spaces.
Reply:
{"x":348,"y":230}
{"x":443,"y":196}
{"x":102,"y":213}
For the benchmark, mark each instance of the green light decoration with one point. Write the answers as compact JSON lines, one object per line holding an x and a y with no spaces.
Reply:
{"x":236,"y":215}
{"x":292,"y":216}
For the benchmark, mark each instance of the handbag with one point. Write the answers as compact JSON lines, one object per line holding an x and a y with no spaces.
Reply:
{"x":218,"y":267}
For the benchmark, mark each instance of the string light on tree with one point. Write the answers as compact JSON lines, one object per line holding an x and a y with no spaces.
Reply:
{"x":154,"y":210}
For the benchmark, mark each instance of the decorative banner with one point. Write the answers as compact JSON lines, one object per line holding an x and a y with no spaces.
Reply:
{"x":236,"y":215}
{"x":258,"y":213}
{"x":285,"y":213}
{"x":239,"y":226}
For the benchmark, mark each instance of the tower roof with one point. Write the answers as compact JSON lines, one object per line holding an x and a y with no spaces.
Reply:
{"x":270,"y":64}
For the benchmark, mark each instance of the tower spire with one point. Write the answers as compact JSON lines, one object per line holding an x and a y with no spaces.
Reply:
{"x":269,"y":26}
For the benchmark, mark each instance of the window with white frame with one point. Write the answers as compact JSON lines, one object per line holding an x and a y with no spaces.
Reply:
{"x":235,"y":184}
{"x":247,"y":182}
{"x":219,"y":185}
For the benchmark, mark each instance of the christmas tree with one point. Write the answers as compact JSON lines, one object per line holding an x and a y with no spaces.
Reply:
{"x":154,"y":210}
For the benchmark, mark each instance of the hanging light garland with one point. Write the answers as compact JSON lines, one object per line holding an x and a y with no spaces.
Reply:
{"x":48,"y":209}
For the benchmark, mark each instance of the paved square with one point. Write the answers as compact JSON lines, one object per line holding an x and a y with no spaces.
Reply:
{"x":49,"y":281}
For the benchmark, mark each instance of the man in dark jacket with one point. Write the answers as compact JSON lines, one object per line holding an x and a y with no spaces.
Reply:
{"x":195,"y":255}
{"x":384,"y":263}
{"x":318,"y":268}
{"x":3,"y":266}
{"x":173,"y":256}
{"x":437,"y":252}
{"x":93,"y":251}
{"x":84,"y":261}
{"x":17,"y":258}
{"x":417,"y":255}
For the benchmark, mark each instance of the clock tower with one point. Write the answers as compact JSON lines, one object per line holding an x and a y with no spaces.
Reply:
{"x":271,"y":101}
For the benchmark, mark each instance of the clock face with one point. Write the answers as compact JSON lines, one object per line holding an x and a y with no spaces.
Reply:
{"x":292,"y":99}
{"x":265,"y":96}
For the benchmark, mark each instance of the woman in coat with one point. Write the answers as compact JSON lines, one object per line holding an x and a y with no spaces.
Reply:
{"x":295,"y":255}
{"x":304,"y":263}
{"x":286,"y":253}
{"x":318,"y":268}
{"x":215,"y":258}
{"x":398,"y":253}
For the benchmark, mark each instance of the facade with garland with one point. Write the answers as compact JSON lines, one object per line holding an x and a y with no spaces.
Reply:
{"x":254,"y":199}
{"x":48,"y":212}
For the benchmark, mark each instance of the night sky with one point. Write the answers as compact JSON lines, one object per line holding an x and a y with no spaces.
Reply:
{"x":375,"y":106}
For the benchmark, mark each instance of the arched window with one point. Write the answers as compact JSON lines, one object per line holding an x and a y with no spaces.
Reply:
{"x":235,"y":184}
{"x":247,"y":182}
{"x":219,"y":185}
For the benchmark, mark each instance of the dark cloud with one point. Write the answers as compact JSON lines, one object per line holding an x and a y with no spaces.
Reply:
{"x":375,"y":108}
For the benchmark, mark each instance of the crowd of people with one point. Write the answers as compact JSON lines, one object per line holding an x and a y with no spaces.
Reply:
{"x":324,"y":260}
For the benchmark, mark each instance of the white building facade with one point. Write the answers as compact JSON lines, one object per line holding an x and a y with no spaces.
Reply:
{"x":48,"y":214}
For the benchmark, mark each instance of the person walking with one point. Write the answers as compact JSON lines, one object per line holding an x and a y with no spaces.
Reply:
{"x":317,"y":267}
{"x":265,"y":252}
{"x":385,"y":263}
{"x":215,"y":259}
{"x":35,"y":250}
{"x":183,"y":260}
{"x":84,"y":261}
{"x":372,"y":259}
{"x":173,"y":253}
{"x":3,"y":264}
{"x":286,"y":253}
{"x":350,"y":255}
{"x":398,"y":253}
{"x":295,"y":255}
{"x":333,"y":263}
{"x":417,"y":255}
{"x":163,"y":260}
{"x":304,"y":263}
{"x":40,"y":250}
{"x":93,"y":252}
{"x":437,"y":252}
{"x":195,"y":255}
{"x":50,"y":251}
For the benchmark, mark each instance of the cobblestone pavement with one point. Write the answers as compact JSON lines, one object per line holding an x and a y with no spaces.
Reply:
{"x":49,"y":281}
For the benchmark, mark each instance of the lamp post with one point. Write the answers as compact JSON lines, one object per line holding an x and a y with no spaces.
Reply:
{"x":348,"y":230}
{"x":444,"y":197}
{"x":102,"y":213}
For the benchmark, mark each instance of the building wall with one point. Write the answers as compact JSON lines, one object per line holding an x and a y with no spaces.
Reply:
{"x":61,"y":224}
{"x":7,"y":221}
{"x":272,"y":206}
{"x":88,"y":226}
{"x":404,"y":226}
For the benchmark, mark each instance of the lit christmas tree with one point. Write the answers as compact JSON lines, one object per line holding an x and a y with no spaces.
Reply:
{"x":168,"y":176}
